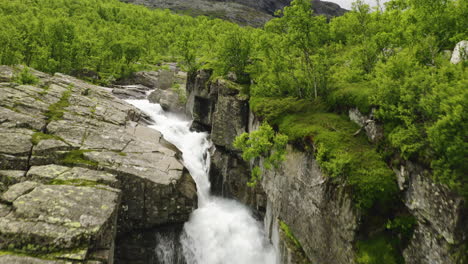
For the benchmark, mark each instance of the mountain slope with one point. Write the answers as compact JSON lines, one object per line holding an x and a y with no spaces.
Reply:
{"x":243,"y":12}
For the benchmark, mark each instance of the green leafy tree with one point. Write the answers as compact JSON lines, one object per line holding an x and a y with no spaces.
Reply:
{"x":263,"y":143}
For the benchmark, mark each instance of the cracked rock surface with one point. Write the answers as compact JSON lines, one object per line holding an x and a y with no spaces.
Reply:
{"x":78,"y":166}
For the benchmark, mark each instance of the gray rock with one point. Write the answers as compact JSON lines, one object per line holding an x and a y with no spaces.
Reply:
{"x":229,"y":175}
{"x":155,"y":186}
{"x":103,"y":143}
{"x":131,"y":91}
{"x":58,"y":217}
{"x":146,"y":78}
{"x":319,"y":213}
{"x":18,"y":189}
{"x":71,"y":176}
{"x":10,"y":177}
{"x":197,"y":89}
{"x":460,"y":53}
{"x":429,"y":201}
{"x":427,"y":248}
{"x":168,"y":99}
{"x":13,"y":259}
{"x":165,"y":79}
{"x":373,"y":130}
{"x":229,"y":120}
{"x":16,"y":142}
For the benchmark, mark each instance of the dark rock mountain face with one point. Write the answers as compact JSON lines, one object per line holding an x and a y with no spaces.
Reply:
{"x":244,"y":12}
{"x":270,"y":6}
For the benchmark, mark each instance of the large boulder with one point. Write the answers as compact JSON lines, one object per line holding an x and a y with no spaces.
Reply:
{"x":168,"y":99}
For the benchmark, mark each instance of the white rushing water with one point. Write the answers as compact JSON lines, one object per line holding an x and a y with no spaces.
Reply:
{"x":220,"y":231}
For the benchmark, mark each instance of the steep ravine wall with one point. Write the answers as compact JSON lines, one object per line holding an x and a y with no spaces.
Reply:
{"x":318,"y":213}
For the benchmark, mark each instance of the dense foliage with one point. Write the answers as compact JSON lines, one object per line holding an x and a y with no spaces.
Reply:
{"x":262,"y":143}
{"x":110,"y":38}
{"x":392,"y":59}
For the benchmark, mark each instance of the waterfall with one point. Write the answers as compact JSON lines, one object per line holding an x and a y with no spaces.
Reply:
{"x":220,"y":231}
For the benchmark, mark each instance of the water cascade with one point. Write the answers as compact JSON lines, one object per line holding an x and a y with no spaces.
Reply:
{"x":220,"y":231}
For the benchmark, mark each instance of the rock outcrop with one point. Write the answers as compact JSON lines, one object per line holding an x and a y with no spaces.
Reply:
{"x":318,"y":212}
{"x":220,"y":107}
{"x":77,"y":168}
{"x":440,"y":234}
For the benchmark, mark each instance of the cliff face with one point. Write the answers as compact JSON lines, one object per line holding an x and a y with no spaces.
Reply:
{"x":218,"y":107}
{"x":244,"y":12}
{"x":78,"y":167}
{"x":308,"y":217}
{"x":319,"y":214}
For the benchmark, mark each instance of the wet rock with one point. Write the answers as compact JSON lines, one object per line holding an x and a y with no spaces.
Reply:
{"x":229,"y":175}
{"x":131,"y":91}
{"x":168,"y":99}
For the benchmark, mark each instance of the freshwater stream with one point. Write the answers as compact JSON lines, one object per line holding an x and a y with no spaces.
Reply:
{"x":220,"y":231}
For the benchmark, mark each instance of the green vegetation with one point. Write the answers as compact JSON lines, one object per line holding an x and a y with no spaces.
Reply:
{"x":107,"y":37}
{"x":290,"y":235}
{"x":301,"y":72}
{"x":38,"y":136}
{"x":56,"y":110}
{"x":262,"y":143}
{"x":75,"y":182}
{"x":25,"y":77}
{"x":75,"y":157}
{"x":176,"y":87}
{"x":377,"y":250}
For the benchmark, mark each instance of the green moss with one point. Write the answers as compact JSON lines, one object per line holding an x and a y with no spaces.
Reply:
{"x":287,"y":231}
{"x":36,"y":251}
{"x":45,"y":90}
{"x":459,"y":254}
{"x":12,"y":108}
{"x":343,"y":155}
{"x":75,"y":182}
{"x":180,"y":92}
{"x":77,"y":157}
{"x":340,"y":154}
{"x":56,"y":110}
{"x":379,"y":249}
{"x":38,"y":136}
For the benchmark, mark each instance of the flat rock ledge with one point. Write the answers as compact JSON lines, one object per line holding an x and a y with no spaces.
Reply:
{"x":77,"y":167}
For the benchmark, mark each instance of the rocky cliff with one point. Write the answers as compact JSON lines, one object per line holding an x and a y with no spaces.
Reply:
{"x":244,"y":12}
{"x":79,"y":168}
{"x":309,"y":217}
